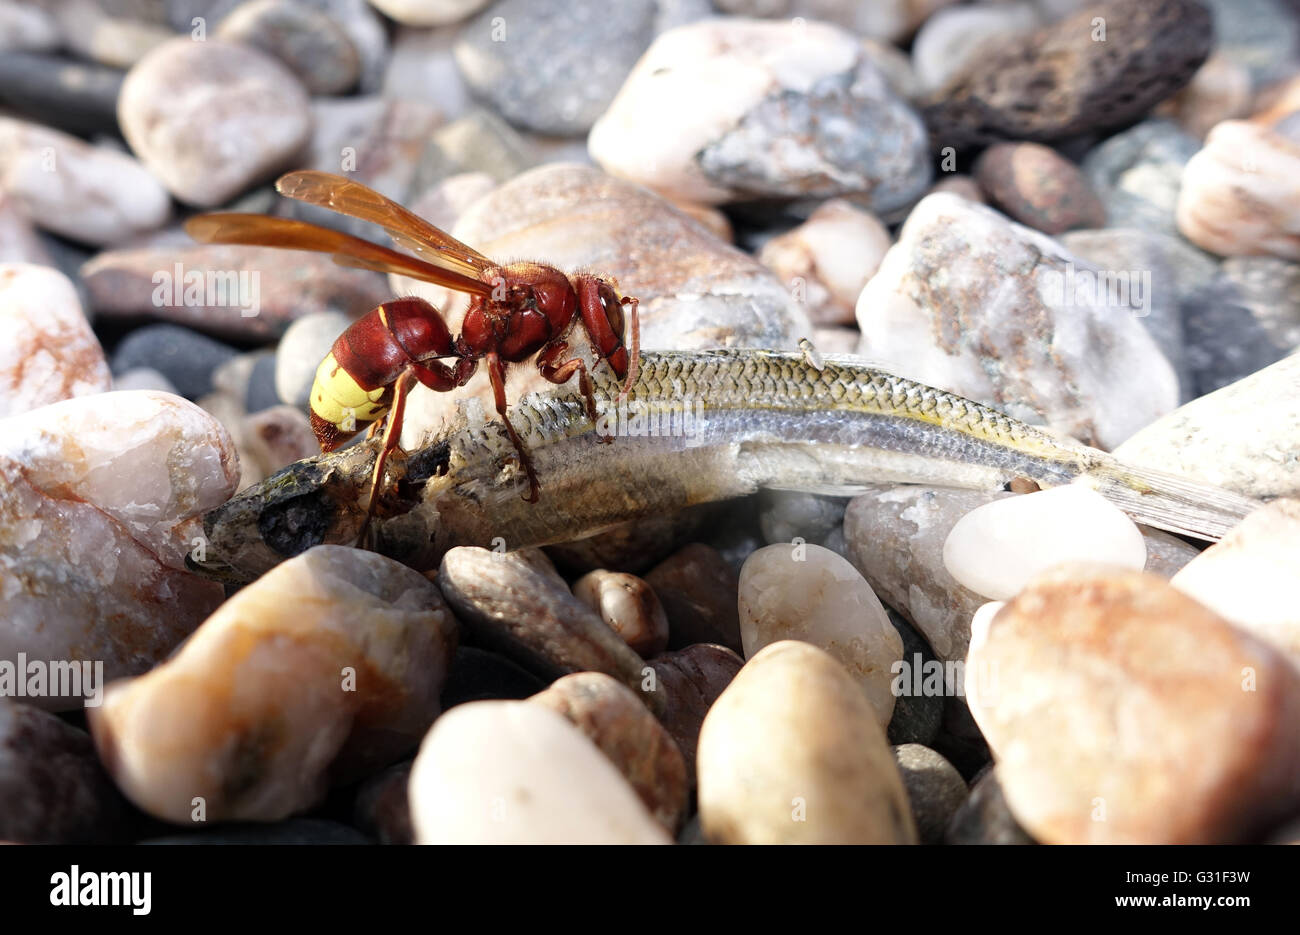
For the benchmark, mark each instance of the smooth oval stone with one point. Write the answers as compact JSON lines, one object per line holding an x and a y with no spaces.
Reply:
{"x":1252,"y":576}
{"x":313,"y":46}
{"x":512,"y":772}
{"x":527,"y":613}
{"x":612,"y":717}
{"x":325,"y":669}
{"x":90,"y":194}
{"x":1138,"y":173}
{"x":300,"y":351}
{"x":997,"y":548}
{"x":629,"y":606}
{"x":1061,"y":80}
{"x":808,"y":593}
{"x":829,"y":258}
{"x":695,"y":291}
{"x":934,"y":788}
{"x":184,"y":102}
{"x":698,"y":589}
{"x":1241,"y":437}
{"x":99,"y":506}
{"x":792,"y":753}
{"x":1121,"y":711}
{"x":993,"y":311}
{"x":52,"y":788}
{"x":1038,"y":187}
{"x":801,"y":112}
{"x":690,"y":680}
{"x":186,"y":358}
{"x":47,"y":350}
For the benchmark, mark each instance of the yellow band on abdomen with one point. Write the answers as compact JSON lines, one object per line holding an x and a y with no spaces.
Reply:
{"x":338,"y":399}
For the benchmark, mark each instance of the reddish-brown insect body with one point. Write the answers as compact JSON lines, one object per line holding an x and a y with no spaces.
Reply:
{"x":517,"y":312}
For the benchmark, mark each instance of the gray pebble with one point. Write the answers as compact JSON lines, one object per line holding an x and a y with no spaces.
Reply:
{"x":184,"y":357}
{"x":310,"y":42}
{"x":934,"y":788}
{"x":1138,"y":174}
{"x":984,"y":817}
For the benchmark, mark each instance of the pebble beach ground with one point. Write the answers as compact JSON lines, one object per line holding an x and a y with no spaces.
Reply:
{"x":1085,"y":214}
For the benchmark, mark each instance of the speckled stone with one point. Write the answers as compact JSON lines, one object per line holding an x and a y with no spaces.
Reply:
{"x":1038,"y":187}
{"x":934,"y":788}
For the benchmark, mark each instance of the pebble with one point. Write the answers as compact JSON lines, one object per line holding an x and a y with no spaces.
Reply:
{"x":27,"y":28}
{"x":954,"y":38}
{"x":478,"y":141}
{"x":143,"y":378}
{"x":792,"y":753}
{"x":423,"y":67}
{"x":429,"y":12}
{"x":713,"y":220}
{"x":90,"y":194}
{"x":325,"y":669}
{"x":826,"y":260}
{"x":478,"y":675}
{"x":212,"y":118}
{"x":984,"y":817}
{"x":997,"y":548}
{"x":511,"y":772}
{"x":917,"y":715}
{"x":279,"y":436}
{"x":1238,"y":195}
{"x":306,"y":40}
{"x":382,"y":809}
{"x":807,"y":114}
{"x":47,"y":350}
{"x":1221,"y":90}
{"x":1262,"y":36}
{"x":1138,"y":174}
{"x":1252,"y":576}
{"x":19,"y":242}
{"x":985,"y":308}
{"x":1124,"y":712}
{"x":528,"y":614}
{"x":809,"y":593}
{"x":1243,"y":320}
{"x":891,"y":20}
{"x":934,"y":788}
{"x":98,"y":509}
{"x":186,"y":358}
{"x":698,"y":589}
{"x":249,"y":379}
{"x":629,"y":606}
{"x":957,"y":184}
{"x":296,"y":831}
{"x":788,"y":515}
{"x":304,"y":345}
{"x":1038,"y":187}
{"x":211,"y":292}
{"x":564,"y":65}
{"x":615,"y":720}
{"x":691,"y":680}
{"x":1241,"y":437}
{"x":694,"y":290}
{"x":1059,"y":81}
{"x":52,"y":788}
{"x":74,"y":96}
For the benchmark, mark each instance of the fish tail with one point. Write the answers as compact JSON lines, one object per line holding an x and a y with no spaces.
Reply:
{"x":1170,"y":502}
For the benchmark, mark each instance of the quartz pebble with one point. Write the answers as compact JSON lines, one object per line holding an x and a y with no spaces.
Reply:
{"x":512,"y":772}
{"x":325,"y":669}
{"x":698,"y":590}
{"x":1038,"y":187}
{"x":1061,"y":80}
{"x":828,"y":259}
{"x":184,"y":104}
{"x":792,"y":752}
{"x":808,"y":593}
{"x":934,"y":787}
{"x":1124,"y":712}
{"x":614,"y":719}
{"x":997,"y":548}
{"x":52,"y":789}
{"x":690,"y":680}
{"x":970,"y":302}
{"x":1138,"y":174}
{"x":98,"y":510}
{"x":47,"y":350}
{"x":1241,"y":437}
{"x":954,"y":38}
{"x":1252,"y":576}
{"x":527,"y":613}
{"x":629,"y":606}
{"x":307,"y":40}
{"x":567,"y":63}
{"x":806,"y":115}
{"x":90,"y":194}
{"x":694,"y":290}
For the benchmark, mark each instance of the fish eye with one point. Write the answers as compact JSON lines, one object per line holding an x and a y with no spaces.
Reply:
{"x":613,"y":309}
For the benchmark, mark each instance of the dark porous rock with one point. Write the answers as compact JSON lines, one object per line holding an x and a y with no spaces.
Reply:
{"x":690,"y":680}
{"x":984,"y":817}
{"x":916,"y":717}
{"x":479,"y":675}
{"x":52,"y":788}
{"x":382,"y":809}
{"x":1060,"y":81}
{"x":184,"y":357}
{"x":699,"y":589}
{"x":935,"y":789}
{"x":1038,"y":187}
{"x":293,"y":831}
